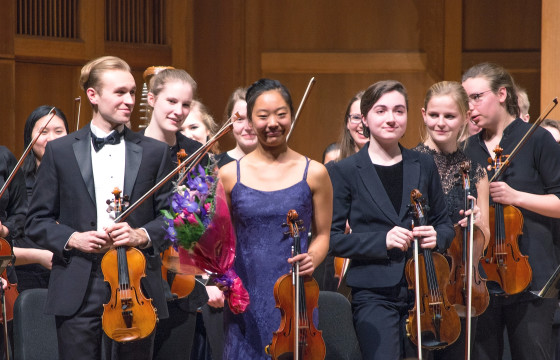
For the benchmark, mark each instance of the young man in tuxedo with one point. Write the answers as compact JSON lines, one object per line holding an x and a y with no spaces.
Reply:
{"x":68,"y":213}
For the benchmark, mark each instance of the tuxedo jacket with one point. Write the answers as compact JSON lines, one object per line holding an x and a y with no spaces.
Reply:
{"x":359,"y":197}
{"x":63,"y":202}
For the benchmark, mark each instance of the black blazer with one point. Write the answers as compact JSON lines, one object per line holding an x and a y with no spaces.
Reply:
{"x":63,"y":202}
{"x":360,"y":198}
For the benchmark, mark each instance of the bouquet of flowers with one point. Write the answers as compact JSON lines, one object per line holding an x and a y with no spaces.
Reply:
{"x":199,"y":226}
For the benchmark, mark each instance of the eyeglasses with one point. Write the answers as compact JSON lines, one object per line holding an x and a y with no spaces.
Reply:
{"x":355,"y":118}
{"x":476,"y":98}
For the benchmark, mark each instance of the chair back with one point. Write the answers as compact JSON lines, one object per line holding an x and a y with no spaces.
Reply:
{"x":335,"y":320}
{"x":34,"y":332}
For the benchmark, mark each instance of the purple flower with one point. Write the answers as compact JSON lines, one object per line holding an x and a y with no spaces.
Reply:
{"x":178,"y":203}
{"x":170,"y":233}
{"x":198,"y":184}
{"x":190,"y":205}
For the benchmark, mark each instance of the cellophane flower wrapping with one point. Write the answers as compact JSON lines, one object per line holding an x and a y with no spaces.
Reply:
{"x":200,"y":228}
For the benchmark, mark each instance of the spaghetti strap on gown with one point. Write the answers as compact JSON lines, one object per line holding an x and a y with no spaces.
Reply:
{"x":262,"y":251}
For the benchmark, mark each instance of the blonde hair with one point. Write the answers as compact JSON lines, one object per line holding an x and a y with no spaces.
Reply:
{"x":207,"y":120}
{"x":523,"y":101}
{"x":456,"y":92}
{"x":159,"y":80}
{"x":90,"y":75}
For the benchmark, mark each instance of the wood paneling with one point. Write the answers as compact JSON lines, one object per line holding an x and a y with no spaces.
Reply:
{"x":352,"y":25}
{"x":346,"y":45}
{"x":7,"y":103}
{"x":509,"y":25}
{"x":343,"y":63}
{"x":550,"y":79}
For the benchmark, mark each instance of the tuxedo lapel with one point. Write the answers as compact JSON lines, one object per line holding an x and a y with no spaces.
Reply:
{"x":82,"y":152}
{"x":133,"y":158}
{"x":411,"y":177}
{"x":374,"y":186}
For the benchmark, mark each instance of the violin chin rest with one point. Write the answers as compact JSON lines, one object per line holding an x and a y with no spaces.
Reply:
{"x":126,"y":335}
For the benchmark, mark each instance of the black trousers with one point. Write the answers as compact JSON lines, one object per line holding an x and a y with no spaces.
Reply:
{"x":456,"y":351}
{"x":81,"y":336}
{"x":528,"y":320}
{"x":379,"y":319}
{"x":174,"y":335}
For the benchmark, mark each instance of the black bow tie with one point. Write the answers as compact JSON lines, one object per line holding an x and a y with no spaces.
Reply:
{"x":111,"y":139}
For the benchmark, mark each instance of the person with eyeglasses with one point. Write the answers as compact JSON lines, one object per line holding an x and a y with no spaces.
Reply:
{"x":245,"y":137}
{"x":352,"y":138}
{"x":532,"y":184}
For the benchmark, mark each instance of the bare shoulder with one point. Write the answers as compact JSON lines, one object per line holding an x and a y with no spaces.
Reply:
{"x":228,"y":175}
{"x":317,"y":175}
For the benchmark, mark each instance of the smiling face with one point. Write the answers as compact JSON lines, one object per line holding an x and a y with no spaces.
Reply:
{"x":271,"y":118}
{"x":194,"y":127}
{"x":172,"y":105}
{"x":242,"y":128}
{"x":54,"y":129}
{"x":355,"y":126}
{"x":444,"y":121}
{"x":114,"y":101}
{"x":387,"y":118}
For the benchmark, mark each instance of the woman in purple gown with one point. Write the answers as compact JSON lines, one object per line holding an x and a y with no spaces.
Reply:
{"x":261,"y":188}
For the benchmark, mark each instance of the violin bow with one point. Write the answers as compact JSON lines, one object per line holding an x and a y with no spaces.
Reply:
{"x":469,"y":204}
{"x":197,"y":155}
{"x":522,"y":142}
{"x":417,"y":295}
{"x":77,"y":100}
{"x":303,"y":99}
{"x":52,"y":113}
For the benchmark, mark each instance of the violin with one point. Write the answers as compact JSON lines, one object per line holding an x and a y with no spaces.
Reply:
{"x":181,"y":285}
{"x":433,"y":316}
{"x":503,"y":262}
{"x":467,"y":289}
{"x":10,"y":293}
{"x":340,"y":267}
{"x":460,"y":254}
{"x":297,"y":337}
{"x":129,"y":315}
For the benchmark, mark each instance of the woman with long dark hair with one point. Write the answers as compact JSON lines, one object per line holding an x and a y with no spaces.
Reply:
{"x":33,"y":264}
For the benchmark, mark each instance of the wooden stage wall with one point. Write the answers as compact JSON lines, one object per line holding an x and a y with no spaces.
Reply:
{"x":345,"y":45}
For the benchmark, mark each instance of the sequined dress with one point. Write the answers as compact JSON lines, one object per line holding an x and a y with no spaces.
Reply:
{"x":261,"y":258}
